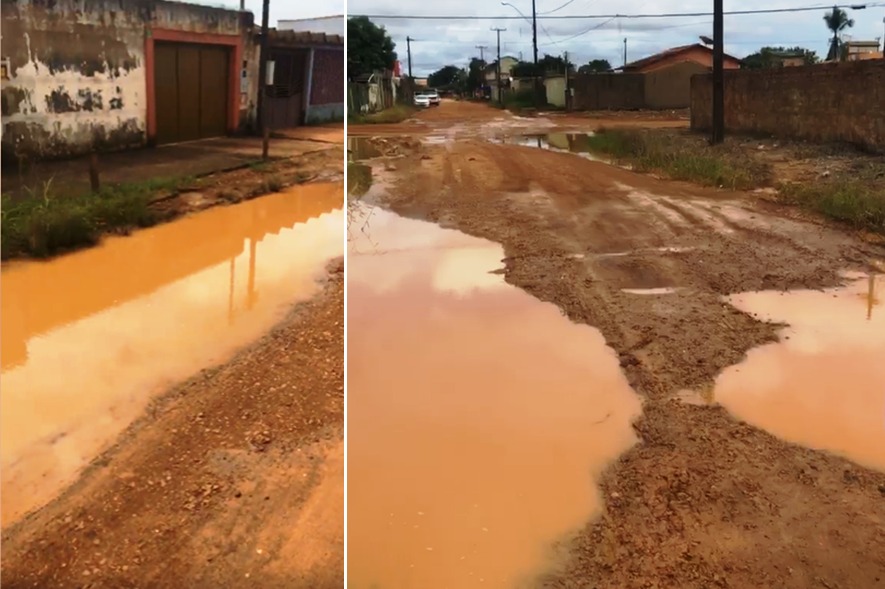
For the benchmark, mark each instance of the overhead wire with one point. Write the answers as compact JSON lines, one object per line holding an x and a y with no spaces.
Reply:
{"x":626,"y":16}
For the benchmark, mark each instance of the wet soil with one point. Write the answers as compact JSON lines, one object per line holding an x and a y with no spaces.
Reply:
{"x":704,"y":499}
{"x":324,"y":164}
{"x":474,"y":117}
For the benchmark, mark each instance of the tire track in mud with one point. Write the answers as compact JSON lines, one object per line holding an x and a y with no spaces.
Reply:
{"x":703,"y":500}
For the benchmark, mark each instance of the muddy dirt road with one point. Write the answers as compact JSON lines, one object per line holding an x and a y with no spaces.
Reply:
{"x":199,"y":441}
{"x":759,"y":470}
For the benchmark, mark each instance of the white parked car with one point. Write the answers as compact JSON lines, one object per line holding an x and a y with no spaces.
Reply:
{"x":433,"y":95}
{"x":422,"y":100}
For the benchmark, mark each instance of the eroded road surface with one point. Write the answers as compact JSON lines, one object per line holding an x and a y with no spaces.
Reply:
{"x":752,"y":338}
{"x":114,"y":474}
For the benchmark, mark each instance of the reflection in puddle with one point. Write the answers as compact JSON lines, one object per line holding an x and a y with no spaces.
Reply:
{"x":361,"y":148}
{"x":88,"y":337}
{"x":576,"y":143}
{"x":478,"y":416}
{"x":823,"y":385}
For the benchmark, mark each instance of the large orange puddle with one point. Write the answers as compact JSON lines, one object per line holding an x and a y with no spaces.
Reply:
{"x":89,"y":337}
{"x":478,"y":417}
{"x":823,"y":384}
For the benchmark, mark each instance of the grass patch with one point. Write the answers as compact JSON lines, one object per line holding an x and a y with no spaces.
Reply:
{"x":680,"y":159}
{"x":395,"y":114}
{"x":854,"y":201}
{"x":48,"y":222}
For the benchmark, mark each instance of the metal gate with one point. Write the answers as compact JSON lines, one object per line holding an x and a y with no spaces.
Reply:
{"x":191,"y":91}
{"x":285,"y":98}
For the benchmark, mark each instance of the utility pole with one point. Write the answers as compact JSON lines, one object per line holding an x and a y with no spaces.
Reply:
{"x":262,"y":66}
{"x":535,"y":51}
{"x":625,"y":51}
{"x":567,"y":93}
{"x":718,"y":135}
{"x":482,"y":56}
{"x":498,"y":76}
{"x":409,"y":52}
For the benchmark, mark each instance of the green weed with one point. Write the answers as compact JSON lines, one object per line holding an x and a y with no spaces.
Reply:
{"x":657,"y":152}
{"x":47,"y":222}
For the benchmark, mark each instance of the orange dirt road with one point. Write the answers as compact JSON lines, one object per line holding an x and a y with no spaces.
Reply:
{"x":475,"y":117}
{"x":704,"y":500}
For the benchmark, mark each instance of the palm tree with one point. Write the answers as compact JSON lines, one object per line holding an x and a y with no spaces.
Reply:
{"x":837,"y":20}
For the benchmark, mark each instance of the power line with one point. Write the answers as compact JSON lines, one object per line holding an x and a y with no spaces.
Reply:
{"x":614,"y":16}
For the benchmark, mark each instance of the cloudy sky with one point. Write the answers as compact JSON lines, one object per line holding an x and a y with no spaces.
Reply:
{"x":441,"y":42}
{"x":284,"y":9}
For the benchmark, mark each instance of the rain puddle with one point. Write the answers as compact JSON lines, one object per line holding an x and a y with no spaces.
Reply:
{"x":90,"y":337}
{"x":823,"y":384}
{"x":361,"y":148}
{"x":575,"y":143}
{"x":479,"y":417}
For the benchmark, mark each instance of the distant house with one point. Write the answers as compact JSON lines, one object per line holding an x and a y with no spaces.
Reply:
{"x":788,"y":58}
{"x":696,"y":53}
{"x":659,"y":81}
{"x":861,"y":50}
{"x":490,"y":73}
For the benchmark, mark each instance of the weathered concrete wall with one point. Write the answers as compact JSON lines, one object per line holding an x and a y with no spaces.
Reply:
{"x":555,"y":90}
{"x":327,"y":86}
{"x":77,"y":75}
{"x":843,"y":102}
{"x":608,"y":91}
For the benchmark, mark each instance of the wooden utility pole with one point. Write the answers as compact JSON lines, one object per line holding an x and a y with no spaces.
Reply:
{"x":482,"y":55}
{"x":535,"y":52}
{"x":567,"y":93}
{"x":625,"y":51}
{"x":262,"y":66}
{"x":718,"y":134}
{"x":498,"y":73}
{"x":409,"y":53}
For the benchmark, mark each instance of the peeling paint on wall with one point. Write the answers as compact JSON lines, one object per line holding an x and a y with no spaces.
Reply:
{"x":77,"y":75}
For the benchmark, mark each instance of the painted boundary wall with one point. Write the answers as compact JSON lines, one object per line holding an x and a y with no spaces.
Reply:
{"x":840,"y":103}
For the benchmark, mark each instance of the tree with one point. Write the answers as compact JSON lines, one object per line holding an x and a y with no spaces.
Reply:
{"x":552,"y":64}
{"x":837,"y":21}
{"x":475,"y":75}
{"x":595,"y":66}
{"x":445,"y":77}
{"x":369,"y":47}
{"x":768,"y":57}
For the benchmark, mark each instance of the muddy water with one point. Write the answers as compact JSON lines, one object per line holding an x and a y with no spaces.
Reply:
{"x":823,"y":384}
{"x":478,"y":417}
{"x":88,"y":338}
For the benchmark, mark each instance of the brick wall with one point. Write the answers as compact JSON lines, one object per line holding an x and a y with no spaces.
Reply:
{"x":608,"y":91}
{"x":842,"y":102}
